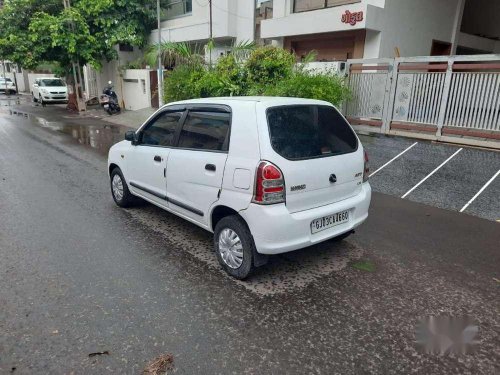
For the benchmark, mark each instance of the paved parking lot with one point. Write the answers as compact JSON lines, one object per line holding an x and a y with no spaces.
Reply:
{"x":436,"y":174}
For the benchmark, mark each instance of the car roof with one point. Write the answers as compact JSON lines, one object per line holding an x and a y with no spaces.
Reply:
{"x":268,"y":101}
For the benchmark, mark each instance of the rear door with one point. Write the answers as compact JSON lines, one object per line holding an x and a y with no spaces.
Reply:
{"x":196,"y":166}
{"x":318,"y":152}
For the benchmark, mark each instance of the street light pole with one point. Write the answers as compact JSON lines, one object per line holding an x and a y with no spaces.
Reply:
{"x":211,"y":31}
{"x":160,"y":67}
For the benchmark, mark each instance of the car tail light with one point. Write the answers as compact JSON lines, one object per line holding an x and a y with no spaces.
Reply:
{"x":269,"y":184}
{"x":366,"y":169}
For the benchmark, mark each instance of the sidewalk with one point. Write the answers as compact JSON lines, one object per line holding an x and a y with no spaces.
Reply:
{"x":132,"y":119}
{"x":57,"y":112}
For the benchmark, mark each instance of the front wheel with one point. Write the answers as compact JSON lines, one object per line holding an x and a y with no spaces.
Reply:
{"x":234,"y":246}
{"x":42,"y":102}
{"x":119,"y":189}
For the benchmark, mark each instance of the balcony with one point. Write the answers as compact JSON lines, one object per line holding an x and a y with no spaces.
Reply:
{"x":307,"y":5}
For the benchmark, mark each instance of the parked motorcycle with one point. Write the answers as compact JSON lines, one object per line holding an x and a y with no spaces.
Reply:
{"x":109,"y":100}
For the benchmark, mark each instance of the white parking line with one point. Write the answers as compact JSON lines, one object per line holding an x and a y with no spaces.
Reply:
{"x":480,"y":191}
{"x":430,"y":174}
{"x":394,"y":158}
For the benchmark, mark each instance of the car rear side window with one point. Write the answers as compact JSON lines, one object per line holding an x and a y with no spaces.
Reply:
{"x":205,"y":131}
{"x":309,"y":131}
{"x":161,"y":131}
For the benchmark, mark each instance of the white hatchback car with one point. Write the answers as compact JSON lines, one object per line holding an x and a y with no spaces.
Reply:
{"x":49,"y":90}
{"x":266,"y":175}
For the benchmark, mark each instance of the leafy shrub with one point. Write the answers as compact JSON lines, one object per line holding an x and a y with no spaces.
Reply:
{"x":268,"y":71}
{"x":268,"y":65}
{"x":303,"y":84}
{"x":182,"y":83}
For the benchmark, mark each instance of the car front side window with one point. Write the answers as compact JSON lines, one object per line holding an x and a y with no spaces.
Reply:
{"x":161,"y":131}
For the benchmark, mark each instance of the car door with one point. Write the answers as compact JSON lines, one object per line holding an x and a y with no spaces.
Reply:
{"x":196,"y":166}
{"x":148,"y":159}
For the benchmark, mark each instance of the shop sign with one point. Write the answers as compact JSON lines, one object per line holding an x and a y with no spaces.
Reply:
{"x":352,"y":18}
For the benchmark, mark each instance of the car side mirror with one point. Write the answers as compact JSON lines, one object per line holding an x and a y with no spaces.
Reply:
{"x":131,"y":136}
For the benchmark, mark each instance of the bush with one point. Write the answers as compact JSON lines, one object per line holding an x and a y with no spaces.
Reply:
{"x":268,"y":65}
{"x":268,"y":71}
{"x":302,"y":84}
{"x":182,"y":83}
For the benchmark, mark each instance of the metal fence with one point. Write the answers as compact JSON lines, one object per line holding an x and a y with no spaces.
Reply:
{"x":454,"y":99}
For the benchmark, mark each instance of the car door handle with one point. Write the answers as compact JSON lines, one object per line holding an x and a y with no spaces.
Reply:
{"x":157,"y":158}
{"x":210,"y":167}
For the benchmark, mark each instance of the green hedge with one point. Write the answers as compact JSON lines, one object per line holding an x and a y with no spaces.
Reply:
{"x":268,"y":71}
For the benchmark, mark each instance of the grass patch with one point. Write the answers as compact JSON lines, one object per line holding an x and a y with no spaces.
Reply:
{"x":364,"y":265}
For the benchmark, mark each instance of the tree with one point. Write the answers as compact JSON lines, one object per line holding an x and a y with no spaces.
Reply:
{"x":87,"y":32}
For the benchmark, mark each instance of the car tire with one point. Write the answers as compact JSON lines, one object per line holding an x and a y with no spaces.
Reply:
{"x":224,"y":229}
{"x":119,"y":189}
{"x":35,"y":100}
{"x":42,"y":102}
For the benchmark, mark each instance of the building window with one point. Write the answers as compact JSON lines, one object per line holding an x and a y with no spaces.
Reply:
{"x":176,"y":8}
{"x":307,"y":5}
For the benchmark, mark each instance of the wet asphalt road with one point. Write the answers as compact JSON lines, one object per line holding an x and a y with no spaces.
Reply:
{"x":79,"y":275}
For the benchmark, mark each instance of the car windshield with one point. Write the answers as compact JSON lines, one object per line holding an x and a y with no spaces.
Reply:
{"x":51,"y":83}
{"x":309,"y":131}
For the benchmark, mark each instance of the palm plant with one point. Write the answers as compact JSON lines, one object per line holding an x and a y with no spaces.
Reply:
{"x":182,"y":53}
{"x":174,"y":53}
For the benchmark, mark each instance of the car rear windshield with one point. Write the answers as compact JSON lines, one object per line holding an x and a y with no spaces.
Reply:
{"x":309,"y":131}
{"x":51,"y":83}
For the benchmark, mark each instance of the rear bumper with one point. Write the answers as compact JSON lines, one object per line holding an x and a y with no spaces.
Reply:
{"x":275,"y":230}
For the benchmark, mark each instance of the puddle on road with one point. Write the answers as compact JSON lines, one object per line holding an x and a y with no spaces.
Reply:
{"x":9,"y":101}
{"x":283,"y":274}
{"x":99,"y":137}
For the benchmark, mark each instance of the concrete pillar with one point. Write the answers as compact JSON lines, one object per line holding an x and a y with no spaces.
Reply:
{"x":457,"y":24}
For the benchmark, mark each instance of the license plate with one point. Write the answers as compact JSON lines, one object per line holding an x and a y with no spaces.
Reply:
{"x":317,"y":225}
{"x":106,"y":106}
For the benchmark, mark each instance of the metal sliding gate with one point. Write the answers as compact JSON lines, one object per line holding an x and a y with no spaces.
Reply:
{"x":452,"y":99}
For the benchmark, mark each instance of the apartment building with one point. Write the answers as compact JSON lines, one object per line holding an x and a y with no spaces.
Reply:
{"x":194,"y":21}
{"x":343,"y":29}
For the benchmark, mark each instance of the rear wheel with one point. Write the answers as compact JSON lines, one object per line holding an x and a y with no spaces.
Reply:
{"x":119,"y":189}
{"x":234,"y":246}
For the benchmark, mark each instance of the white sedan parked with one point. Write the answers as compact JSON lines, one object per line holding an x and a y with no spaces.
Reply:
{"x":265,"y":175}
